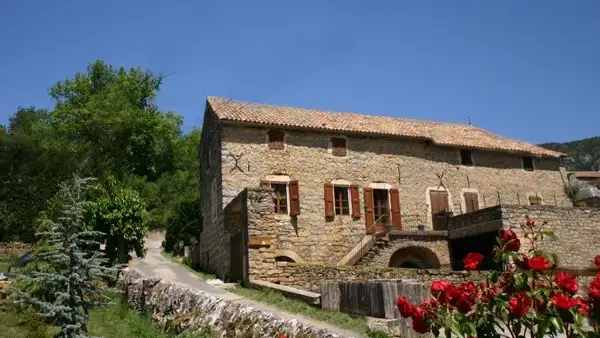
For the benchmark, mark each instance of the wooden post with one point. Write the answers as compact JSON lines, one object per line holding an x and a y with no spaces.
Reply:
{"x":498,"y":192}
{"x":468,"y":182}
{"x":518,"y":198}
{"x":555,"y":202}
{"x":483,"y":197}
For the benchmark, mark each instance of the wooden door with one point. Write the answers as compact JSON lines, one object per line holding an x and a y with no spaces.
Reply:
{"x":439,"y":207}
{"x":237,"y":257}
{"x":471,"y":201}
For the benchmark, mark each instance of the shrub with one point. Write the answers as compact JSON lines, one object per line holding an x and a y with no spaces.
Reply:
{"x":526,"y":299}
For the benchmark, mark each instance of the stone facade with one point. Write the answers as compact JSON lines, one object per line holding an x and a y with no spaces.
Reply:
{"x":236,"y":156}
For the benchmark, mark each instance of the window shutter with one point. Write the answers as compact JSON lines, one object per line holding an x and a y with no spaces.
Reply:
{"x":265,"y":184}
{"x":294,"y":198}
{"x":328,"y":198}
{"x":471,"y":202}
{"x":369,"y":216}
{"x":355,"y":199}
{"x":395,"y":204}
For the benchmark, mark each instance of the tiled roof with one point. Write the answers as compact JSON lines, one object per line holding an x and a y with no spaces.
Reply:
{"x":449,"y":134}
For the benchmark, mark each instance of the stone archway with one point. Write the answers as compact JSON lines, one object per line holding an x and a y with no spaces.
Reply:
{"x":414,"y":257}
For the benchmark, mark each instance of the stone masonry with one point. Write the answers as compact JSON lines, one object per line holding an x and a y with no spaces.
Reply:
{"x":576,"y":229}
{"x":236,"y":156}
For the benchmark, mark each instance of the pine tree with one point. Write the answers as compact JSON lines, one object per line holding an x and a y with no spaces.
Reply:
{"x":79,"y":267}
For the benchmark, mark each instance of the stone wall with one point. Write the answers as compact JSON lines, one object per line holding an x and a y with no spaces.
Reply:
{"x":311,"y":276}
{"x":411,"y":245}
{"x":412,"y":166}
{"x":180,"y":308}
{"x":577,"y":231}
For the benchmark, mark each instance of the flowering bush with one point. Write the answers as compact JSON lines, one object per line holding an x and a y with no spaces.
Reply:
{"x":526,"y":299}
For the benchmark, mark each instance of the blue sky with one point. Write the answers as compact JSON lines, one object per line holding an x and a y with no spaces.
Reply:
{"x":524,"y":69}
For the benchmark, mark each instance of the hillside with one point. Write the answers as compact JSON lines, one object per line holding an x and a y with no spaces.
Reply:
{"x":583,"y":154}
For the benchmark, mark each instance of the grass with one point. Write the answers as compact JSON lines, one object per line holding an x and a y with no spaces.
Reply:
{"x":116,"y":321}
{"x":178,"y":260}
{"x":342,"y":320}
{"x":276,"y":299}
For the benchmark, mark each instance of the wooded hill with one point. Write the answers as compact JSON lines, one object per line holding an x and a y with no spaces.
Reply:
{"x":583,"y":154}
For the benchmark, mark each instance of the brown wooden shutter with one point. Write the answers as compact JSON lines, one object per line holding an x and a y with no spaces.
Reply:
{"x":471,"y":201}
{"x":265,"y":184}
{"x":294,"y":198}
{"x":395,"y":204}
{"x":355,"y":200}
{"x":328,"y":198}
{"x":369,"y":215}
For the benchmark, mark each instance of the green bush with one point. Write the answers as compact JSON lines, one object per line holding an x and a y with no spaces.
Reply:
{"x":185,"y":225}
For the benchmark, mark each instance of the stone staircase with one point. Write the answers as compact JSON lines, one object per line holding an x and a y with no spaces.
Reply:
{"x":381,"y":242}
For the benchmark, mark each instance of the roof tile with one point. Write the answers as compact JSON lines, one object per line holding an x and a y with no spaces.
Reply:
{"x":449,"y":134}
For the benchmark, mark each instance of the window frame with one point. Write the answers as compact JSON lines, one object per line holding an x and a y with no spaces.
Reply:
{"x":336,"y":201}
{"x":388,"y":206}
{"x":287,"y":196}
{"x":537,"y":197}
{"x":464,"y":151}
{"x":532,"y":163}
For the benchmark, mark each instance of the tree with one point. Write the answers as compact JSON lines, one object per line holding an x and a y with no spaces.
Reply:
{"x":121,"y":215}
{"x":78,"y":267}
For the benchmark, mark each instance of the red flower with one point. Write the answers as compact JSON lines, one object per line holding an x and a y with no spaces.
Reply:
{"x":594,"y":289}
{"x":566,"y":282}
{"x":519,"y":306}
{"x":530,"y":222}
{"x":488,"y":292}
{"x":509,"y":239}
{"x":563,"y":302}
{"x":583,"y":306}
{"x":539,"y":263}
{"x":282,"y":335}
{"x":439,"y":290}
{"x":418,"y":319}
{"x":597,"y":261}
{"x":472,"y":260}
{"x":405,"y":308}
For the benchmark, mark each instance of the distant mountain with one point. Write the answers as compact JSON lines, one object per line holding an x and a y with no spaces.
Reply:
{"x":583,"y":154}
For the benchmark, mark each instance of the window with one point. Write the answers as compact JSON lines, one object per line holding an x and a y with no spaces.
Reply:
{"x":535,"y":200}
{"x":342,"y":206}
{"x":381,"y":206}
{"x":528,"y":163}
{"x":466,"y":157}
{"x":280,"y":197}
{"x":338,"y":146}
{"x":276,"y":139}
{"x":471,"y":201}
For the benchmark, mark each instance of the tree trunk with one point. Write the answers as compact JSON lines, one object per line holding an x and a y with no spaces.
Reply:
{"x":122,"y":252}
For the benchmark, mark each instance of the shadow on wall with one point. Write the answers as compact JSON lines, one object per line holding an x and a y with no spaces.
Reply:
{"x":483,"y":243}
{"x":415,"y":257}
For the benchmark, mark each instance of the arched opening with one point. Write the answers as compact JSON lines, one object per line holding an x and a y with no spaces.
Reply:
{"x":283,"y":260}
{"x":415,"y":257}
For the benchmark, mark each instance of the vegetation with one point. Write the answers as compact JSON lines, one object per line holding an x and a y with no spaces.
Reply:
{"x":104,"y":124}
{"x":583,"y":154}
{"x":117,"y":320}
{"x":525,"y":299}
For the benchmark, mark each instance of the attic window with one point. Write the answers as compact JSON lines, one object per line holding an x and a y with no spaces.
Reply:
{"x":466,"y":157}
{"x":338,"y":146}
{"x":535,"y":200}
{"x":276,"y":139}
{"x":528,"y":163}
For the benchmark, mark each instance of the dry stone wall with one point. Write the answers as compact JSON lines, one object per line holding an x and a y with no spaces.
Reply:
{"x":311,"y":276}
{"x":179,"y":308}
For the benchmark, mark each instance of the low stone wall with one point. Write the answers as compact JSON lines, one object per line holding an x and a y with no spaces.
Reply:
{"x":311,"y":276}
{"x":180,"y":308}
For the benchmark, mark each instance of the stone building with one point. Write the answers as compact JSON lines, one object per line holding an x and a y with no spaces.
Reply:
{"x":335,"y":178}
